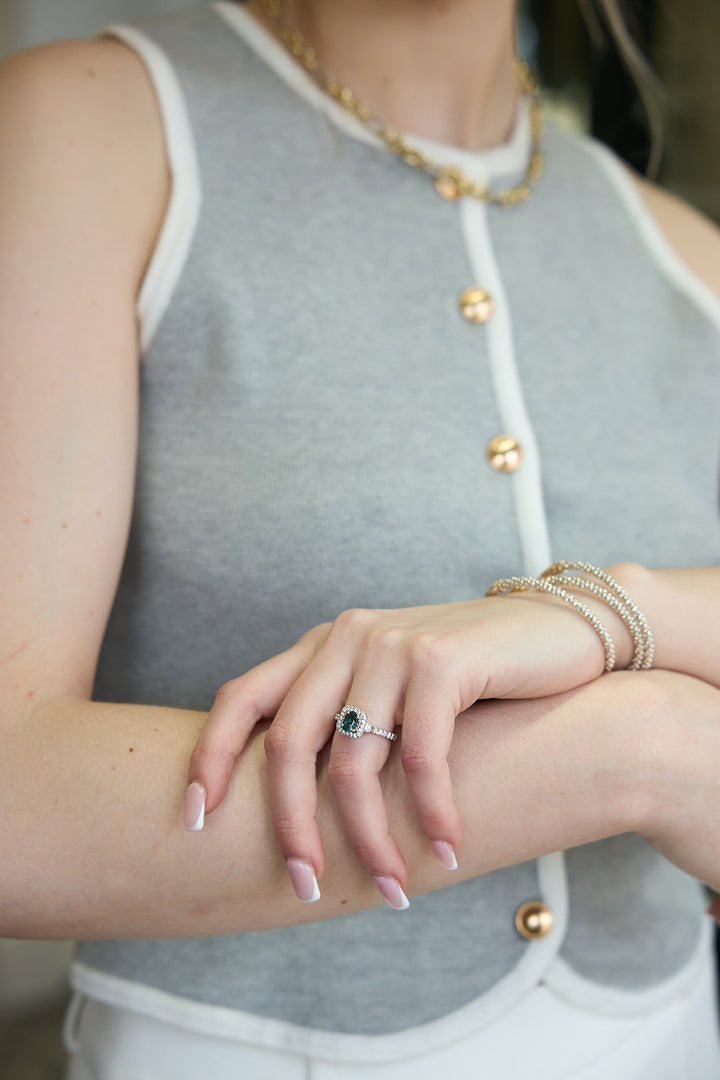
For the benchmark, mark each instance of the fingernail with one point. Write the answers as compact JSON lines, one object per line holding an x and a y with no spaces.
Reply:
{"x":304,"y":880}
{"x":391,"y":893}
{"x":444,"y":854}
{"x":195,"y":807}
{"x":714,"y":909}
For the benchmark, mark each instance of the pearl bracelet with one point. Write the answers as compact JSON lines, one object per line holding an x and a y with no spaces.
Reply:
{"x":618,"y":599}
{"x":611,"y":592}
{"x":523,"y":584}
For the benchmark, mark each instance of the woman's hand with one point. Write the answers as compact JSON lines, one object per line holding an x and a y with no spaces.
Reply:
{"x":415,"y":667}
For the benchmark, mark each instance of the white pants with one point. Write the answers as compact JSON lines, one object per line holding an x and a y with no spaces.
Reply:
{"x":542,"y":1037}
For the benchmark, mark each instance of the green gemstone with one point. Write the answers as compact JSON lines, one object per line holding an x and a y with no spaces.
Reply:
{"x":350,"y":722}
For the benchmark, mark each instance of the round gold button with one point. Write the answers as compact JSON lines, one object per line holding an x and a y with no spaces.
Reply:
{"x":476,"y":305}
{"x":504,"y":453}
{"x":534,"y":920}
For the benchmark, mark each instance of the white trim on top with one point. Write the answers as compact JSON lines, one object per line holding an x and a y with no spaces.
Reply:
{"x":482,"y":166}
{"x":610,"y":1001}
{"x":237,"y":1025}
{"x":171,"y":251}
{"x":527,"y":481}
{"x":665,"y":255}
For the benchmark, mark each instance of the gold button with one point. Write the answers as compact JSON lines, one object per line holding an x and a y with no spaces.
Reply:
{"x":504,"y":453}
{"x":534,"y":920}
{"x":476,"y":305}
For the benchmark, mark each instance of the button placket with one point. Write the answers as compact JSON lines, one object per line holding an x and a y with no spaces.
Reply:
{"x":539,"y":925}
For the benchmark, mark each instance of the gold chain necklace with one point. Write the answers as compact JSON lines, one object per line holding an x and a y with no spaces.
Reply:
{"x":450,"y":182}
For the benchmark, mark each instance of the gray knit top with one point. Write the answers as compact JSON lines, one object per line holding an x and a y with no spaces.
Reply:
{"x":315,"y":413}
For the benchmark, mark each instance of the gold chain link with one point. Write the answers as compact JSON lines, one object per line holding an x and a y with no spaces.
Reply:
{"x":450,"y":182}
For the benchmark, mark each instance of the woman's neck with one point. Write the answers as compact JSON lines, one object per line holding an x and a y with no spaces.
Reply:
{"x":442,"y":69}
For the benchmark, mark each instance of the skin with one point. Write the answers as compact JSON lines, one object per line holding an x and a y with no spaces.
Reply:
{"x":444,"y":69}
{"x":91,"y":794}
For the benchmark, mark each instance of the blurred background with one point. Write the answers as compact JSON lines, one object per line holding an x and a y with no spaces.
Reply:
{"x":585,"y":86}
{"x":577,"y":61}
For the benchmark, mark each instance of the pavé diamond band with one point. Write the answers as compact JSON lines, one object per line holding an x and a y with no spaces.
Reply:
{"x":353,"y":722}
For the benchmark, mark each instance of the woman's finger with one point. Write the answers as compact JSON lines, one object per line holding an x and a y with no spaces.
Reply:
{"x":356,"y":759}
{"x":305,"y":724}
{"x":431,"y":707}
{"x":302,"y":727}
{"x":237,"y":708}
{"x":374,"y":701}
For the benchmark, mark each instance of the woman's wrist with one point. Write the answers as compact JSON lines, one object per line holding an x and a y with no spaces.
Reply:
{"x":634,"y":579}
{"x":625,"y":574}
{"x":639,"y":584}
{"x":682,"y":607}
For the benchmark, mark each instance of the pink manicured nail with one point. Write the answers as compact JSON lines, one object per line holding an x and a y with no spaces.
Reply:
{"x":714,"y":909}
{"x":391,"y":893}
{"x":444,"y":854}
{"x":304,"y":880}
{"x":195,"y":807}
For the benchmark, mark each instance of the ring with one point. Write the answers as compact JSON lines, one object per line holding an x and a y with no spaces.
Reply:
{"x":354,"y":722}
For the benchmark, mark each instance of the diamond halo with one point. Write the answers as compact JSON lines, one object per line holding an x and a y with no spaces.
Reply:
{"x":353,"y":722}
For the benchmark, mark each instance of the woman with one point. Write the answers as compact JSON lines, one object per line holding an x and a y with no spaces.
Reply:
{"x":315,"y":410}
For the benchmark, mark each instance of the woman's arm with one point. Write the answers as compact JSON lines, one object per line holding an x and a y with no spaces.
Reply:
{"x":83,"y":189}
{"x":682,"y":607}
{"x":91,"y":798}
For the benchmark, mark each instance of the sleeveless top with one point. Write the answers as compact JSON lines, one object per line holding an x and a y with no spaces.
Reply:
{"x":314,"y":419}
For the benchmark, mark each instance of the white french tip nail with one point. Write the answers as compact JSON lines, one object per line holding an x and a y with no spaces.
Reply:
{"x":316,"y":894}
{"x":303,"y":879}
{"x":445,"y":854}
{"x":391,"y":892}
{"x":195,"y":807}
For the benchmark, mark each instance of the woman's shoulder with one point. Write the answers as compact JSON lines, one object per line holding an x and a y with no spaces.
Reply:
{"x":693,"y":237}
{"x":79,"y":121}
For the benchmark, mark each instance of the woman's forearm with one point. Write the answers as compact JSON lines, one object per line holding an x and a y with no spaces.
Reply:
{"x":91,"y":799}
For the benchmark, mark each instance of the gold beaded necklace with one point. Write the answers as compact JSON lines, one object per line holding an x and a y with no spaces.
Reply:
{"x":450,"y":182}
